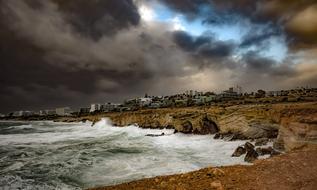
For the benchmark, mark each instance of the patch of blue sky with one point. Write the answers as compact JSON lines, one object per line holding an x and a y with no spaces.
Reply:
{"x":196,"y":26}
{"x":277,"y":48}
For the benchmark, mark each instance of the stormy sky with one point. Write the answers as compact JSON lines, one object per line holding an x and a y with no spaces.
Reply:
{"x":72,"y":53}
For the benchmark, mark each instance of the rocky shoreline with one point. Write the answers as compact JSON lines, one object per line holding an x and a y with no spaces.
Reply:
{"x":291,"y":171}
{"x":290,"y":127}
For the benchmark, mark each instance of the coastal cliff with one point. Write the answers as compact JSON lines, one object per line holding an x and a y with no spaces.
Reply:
{"x":293,"y":124}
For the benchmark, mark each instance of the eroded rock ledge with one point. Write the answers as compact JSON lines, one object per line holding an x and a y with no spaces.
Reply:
{"x":294,"y":125}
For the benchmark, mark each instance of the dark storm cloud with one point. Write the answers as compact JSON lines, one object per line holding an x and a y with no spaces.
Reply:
{"x":258,"y":35}
{"x":256,"y":63}
{"x":98,"y":18}
{"x":72,"y":53}
{"x":46,"y":59}
{"x":204,"y":46}
{"x":42,"y":49}
{"x":188,"y":7}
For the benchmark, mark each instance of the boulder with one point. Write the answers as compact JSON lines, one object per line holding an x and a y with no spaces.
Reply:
{"x":266,"y":151}
{"x":155,"y":135}
{"x":187,"y":127}
{"x":217,"y":136}
{"x":248,"y":146}
{"x":261,"y":141}
{"x":239,"y":151}
{"x":251,"y":155}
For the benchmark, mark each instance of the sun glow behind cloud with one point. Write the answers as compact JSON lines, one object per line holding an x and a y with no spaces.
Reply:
{"x":147,"y":14}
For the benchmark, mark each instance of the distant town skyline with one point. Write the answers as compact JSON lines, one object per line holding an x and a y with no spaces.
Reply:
{"x":199,"y":97}
{"x":71,"y":53}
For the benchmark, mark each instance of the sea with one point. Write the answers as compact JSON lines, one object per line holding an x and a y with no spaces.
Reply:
{"x":54,"y":155}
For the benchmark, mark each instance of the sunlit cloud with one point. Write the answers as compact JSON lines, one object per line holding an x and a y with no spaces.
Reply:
{"x":147,"y":14}
{"x":177,"y":23}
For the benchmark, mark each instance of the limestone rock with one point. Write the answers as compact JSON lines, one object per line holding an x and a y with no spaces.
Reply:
{"x":297,"y":132}
{"x":208,"y":126}
{"x":187,"y":127}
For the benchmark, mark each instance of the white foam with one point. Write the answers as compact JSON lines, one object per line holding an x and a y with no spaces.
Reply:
{"x":118,"y":154}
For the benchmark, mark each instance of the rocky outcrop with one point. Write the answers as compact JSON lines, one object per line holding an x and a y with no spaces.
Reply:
{"x":297,"y":132}
{"x":251,"y":155}
{"x":266,"y":151}
{"x":294,"y":124}
{"x":187,"y":127}
{"x":208,"y":126}
{"x":248,"y":146}
{"x":239,"y":151}
{"x":261,"y":141}
{"x":182,"y":120}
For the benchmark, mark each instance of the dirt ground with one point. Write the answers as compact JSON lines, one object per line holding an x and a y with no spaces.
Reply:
{"x":296,"y":170}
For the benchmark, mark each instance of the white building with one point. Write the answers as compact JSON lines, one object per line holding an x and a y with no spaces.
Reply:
{"x":237,"y":89}
{"x":95,"y":107}
{"x":109,"y":106}
{"x":64,"y":111}
{"x":22,"y":113}
{"x":47,"y":112}
{"x":144,"y":101}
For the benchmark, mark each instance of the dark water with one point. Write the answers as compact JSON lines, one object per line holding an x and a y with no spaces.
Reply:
{"x":48,"y":155}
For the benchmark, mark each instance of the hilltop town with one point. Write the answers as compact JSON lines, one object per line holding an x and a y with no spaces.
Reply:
{"x":190,"y":98}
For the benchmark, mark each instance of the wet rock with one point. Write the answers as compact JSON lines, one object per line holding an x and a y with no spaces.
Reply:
{"x":187,"y":127}
{"x":261,"y":141}
{"x":264,"y":151}
{"x":169,"y":127}
{"x":267,"y":151}
{"x":155,"y":135}
{"x":248,"y":146}
{"x":227,"y":136}
{"x":231,"y":136}
{"x":217,"y":136}
{"x":238,"y":136}
{"x":251,"y":155}
{"x":239,"y":151}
